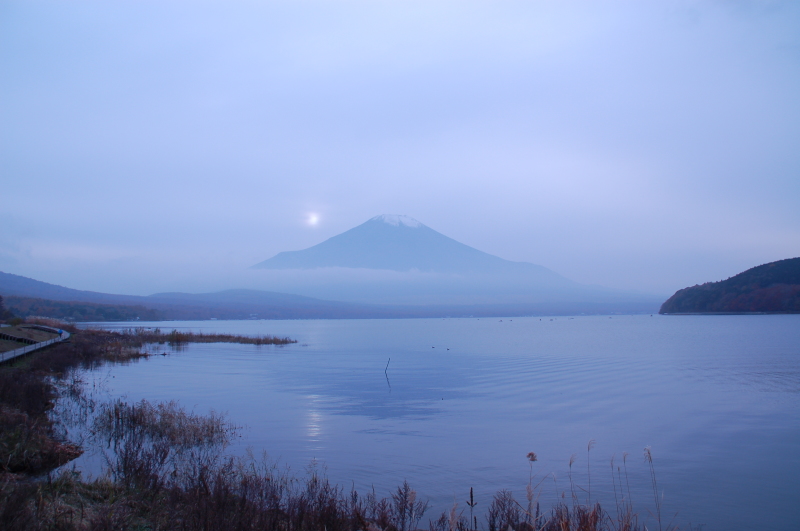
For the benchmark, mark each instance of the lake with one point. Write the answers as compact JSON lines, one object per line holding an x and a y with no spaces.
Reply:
{"x":462,"y":401}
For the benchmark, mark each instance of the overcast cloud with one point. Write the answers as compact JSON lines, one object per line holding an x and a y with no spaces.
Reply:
{"x":152,"y":146}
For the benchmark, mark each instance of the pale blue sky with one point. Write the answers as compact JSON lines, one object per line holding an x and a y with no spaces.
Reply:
{"x":151,"y":146}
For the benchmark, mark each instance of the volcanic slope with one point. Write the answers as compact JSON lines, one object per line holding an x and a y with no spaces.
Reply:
{"x":401,"y":243}
{"x":393,"y":259}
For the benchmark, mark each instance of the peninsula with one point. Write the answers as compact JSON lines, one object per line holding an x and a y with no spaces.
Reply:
{"x":768,"y":288}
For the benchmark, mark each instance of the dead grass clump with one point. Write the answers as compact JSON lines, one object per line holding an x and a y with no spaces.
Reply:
{"x":165,"y":421}
{"x":17,"y":504}
{"x":504,"y":512}
{"x":86,"y":349}
{"x":26,"y":444}
{"x":149,"y":444}
{"x":450,"y":521}
{"x":406,"y":508}
{"x":26,"y":392}
{"x":143,"y":336}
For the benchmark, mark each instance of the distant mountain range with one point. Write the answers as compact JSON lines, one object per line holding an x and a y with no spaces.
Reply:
{"x":768,"y":288}
{"x":27,"y":297}
{"x":388,"y":267}
{"x":79,"y":311}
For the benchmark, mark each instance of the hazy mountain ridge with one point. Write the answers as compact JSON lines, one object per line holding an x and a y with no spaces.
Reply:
{"x":770,"y":288}
{"x":71,"y":304}
{"x":79,"y":311}
{"x":11,"y":284}
{"x":230,"y":304}
{"x":401,"y":243}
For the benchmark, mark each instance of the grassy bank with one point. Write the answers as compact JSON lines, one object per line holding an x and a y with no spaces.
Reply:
{"x":166,"y":468}
{"x":145,"y":335}
{"x":16,"y":336}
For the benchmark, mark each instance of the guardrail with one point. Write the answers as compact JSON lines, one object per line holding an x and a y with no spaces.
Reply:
{"x":25,"y":340}
{"x":11,"y":354}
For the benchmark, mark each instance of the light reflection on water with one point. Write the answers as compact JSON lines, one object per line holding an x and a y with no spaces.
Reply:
{"x":716,"y":397}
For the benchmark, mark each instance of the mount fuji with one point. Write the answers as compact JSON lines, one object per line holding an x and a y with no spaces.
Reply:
{"x":401,"y":243}
{"x":392,"y":259}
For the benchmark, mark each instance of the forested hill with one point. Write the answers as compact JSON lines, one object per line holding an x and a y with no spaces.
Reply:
{"x":773,"y":287}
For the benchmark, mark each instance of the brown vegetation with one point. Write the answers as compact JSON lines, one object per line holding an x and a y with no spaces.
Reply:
{"x":146,"y":335}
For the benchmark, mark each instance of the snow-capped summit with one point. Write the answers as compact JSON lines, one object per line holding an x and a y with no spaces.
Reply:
{"x":397,"y":220}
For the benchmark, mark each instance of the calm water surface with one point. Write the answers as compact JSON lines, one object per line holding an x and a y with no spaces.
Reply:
{"x":463,"y":401}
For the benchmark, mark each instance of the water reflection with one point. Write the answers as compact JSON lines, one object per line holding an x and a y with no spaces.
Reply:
{"x":314,"y":419}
